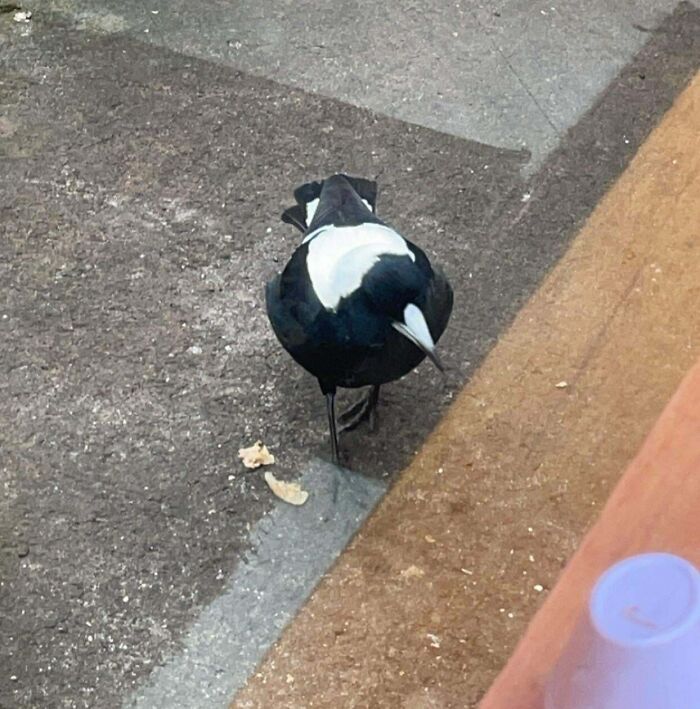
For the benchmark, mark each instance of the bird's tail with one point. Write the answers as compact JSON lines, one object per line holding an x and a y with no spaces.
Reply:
{"x":301,"y":214}
{"x":308,"y":196}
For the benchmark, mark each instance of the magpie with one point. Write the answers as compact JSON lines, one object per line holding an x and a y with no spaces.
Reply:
{"x":357,"y":304}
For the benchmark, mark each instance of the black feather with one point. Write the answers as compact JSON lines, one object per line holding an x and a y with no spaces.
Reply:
{"x":355,"y":343}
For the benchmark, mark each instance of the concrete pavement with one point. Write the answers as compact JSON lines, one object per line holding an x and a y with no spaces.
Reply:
{"x":513,"y":74}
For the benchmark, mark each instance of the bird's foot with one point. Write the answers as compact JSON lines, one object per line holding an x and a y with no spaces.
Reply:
{"x":351,"y":414}
{"x":359,"y":412}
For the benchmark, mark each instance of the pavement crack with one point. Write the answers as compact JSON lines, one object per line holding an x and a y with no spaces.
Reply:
{"x":551,"y":123}
{"x":540,"y":108}
{"x":597,"y":342}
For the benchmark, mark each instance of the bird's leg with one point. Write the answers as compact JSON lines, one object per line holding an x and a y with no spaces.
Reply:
{"x":330,"y":407}
{"x":363,"y":410}
{"x":374,"y":405}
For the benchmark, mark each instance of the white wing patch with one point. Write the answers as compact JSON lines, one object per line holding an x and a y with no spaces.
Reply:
{"x":311,"y":210}
{"x":339,"y":257}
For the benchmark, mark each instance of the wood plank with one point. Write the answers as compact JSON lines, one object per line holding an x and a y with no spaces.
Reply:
{"x":655,"y":507}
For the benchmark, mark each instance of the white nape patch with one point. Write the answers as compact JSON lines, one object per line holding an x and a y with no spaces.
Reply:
{"x":311,"y":210}
{"x":339,"y":257}
{"x":415,"y":328}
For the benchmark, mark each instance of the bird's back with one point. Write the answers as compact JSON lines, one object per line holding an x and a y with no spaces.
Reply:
{"x":338,"y":200}
{"x":334,"y":304}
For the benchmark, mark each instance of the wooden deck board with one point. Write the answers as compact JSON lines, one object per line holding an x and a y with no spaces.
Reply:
{"x":655,"y":507}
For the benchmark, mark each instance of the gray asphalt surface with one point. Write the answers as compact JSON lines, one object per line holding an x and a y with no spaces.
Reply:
{"x":509,"y":73}
{"x":141,"y":190}
{"x":137,"y":354}
{"x":223,"y":646}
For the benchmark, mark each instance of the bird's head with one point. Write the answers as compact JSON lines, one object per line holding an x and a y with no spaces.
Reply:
{"x":395,"y":286}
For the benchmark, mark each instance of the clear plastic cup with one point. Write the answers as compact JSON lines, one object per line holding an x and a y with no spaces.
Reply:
{"x":638,"y":647}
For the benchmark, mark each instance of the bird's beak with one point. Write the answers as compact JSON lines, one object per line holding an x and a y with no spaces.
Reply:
{"x":415,"y":328}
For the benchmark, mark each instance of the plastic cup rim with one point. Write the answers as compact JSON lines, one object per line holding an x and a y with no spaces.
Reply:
{"x":673,"y":632}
